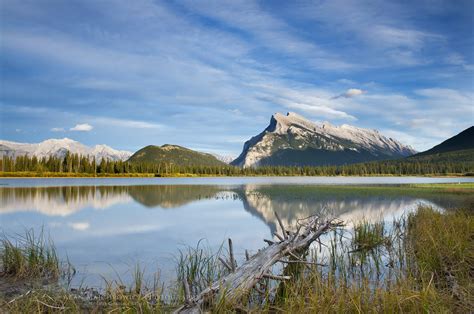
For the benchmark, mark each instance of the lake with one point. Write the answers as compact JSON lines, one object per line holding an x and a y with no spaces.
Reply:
{"x":106,"y":226}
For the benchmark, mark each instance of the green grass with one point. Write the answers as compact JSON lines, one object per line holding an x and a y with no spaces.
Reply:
{"x":446,"y":187}
{"x":199,"y":266}
{"x":368,"y":236}
{"x":29,"y":256}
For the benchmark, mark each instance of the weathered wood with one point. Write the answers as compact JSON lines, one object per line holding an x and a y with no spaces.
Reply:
{"x":275,"y":277}
{"x":187,"y":291}
{"x":225,"y":264}
{"x":233,"y":263}
{"x":301,"y":262}
{"x":281,"y":225}
{"x":269,"y":242}
{"x":279,"y":236}
{"x":244,"y":278}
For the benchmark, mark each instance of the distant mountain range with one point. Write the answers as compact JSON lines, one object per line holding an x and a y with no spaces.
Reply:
{"x":293,"y":140}
{"x":224,"y":158}
{"x":59,"y":147}
{"x":289,"y":140}
{"x":177,"y":155}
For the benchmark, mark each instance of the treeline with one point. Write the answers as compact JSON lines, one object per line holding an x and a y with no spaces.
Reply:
{"x":76,"y":164}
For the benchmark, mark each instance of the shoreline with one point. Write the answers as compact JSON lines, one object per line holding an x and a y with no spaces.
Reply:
{"x":153,"y":176}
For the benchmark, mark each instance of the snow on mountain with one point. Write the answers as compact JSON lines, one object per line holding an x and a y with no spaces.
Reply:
{"x":107,"y":152}
{"x":224,"y":158}
{"x":295,"y":140}
{"x":59,"y":147}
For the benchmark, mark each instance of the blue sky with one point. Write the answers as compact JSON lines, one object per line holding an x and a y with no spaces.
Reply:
{"x":209,"y":74}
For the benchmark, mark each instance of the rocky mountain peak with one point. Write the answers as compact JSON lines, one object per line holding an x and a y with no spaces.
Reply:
{"x":296,"y":135}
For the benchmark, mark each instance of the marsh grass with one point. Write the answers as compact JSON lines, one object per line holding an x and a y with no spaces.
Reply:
{"x":418,"y":263}
{"x":139,"y":296}
{"x":29,"y":256}
{"x":199,"y":266}
{"x":442,"y":245}
{"x":369,"y":236}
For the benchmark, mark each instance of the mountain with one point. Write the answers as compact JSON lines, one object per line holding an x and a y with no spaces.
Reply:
{"x":224,"y":158}
{"x":462,"y":141}
{"x":293,"y":140}
{"x":176,"y":155}
{"x":59,"y":147}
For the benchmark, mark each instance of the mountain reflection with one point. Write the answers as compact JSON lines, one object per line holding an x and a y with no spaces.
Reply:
{"x":61,"y":201}
{"x":170,"y":196}
{"x":291,"y":202}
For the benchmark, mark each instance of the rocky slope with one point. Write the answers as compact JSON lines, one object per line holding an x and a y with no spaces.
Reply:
{"x":293,"y":140}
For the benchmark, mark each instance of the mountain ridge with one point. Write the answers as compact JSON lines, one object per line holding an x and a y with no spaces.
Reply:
{"x":59,"y":148}
{"x":462,"y":141}
{"x":290,"y":136}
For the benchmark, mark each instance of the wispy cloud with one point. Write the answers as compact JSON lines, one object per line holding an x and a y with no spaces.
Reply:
{"x":321,"y":111}
{"x":156,"y":72}
{"x":127,"y":123}
{"x":385,"y":29}
{"x":269,"y":31}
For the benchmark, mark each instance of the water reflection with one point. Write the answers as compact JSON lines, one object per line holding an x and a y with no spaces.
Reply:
{"x":66,"y":200}
{"x":291,"y":202}
{"x":60,"y":201}
{"x":100,"y":227}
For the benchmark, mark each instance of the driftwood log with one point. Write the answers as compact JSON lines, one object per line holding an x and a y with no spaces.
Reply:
{"x":243,"y":278}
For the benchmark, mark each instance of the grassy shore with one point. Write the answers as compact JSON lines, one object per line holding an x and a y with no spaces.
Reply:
{"x":32,"y":174}
{"x":418,"y":263}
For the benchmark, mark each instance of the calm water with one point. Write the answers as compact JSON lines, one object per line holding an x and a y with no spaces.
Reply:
{"x":105,"y":226}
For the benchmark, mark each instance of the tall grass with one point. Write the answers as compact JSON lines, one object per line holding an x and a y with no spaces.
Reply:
{"x":29,"y":256}
{"x":419,"y":263}
{"x":199,"y":266}
{"x":442,"y":246}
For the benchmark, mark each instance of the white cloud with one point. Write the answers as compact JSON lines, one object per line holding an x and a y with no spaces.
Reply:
{"x":351,"y":92}
{"x":57,"y":130}
{"x":84,"y":127}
